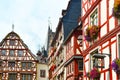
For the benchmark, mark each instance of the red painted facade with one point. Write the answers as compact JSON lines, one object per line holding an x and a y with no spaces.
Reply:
{"x":107,"y":40}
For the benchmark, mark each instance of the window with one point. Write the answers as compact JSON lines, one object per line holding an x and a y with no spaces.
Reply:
{"x":12,"y":76}
{"x":93,"y":63}
{"x":80,"y":64}
{"x":11,"y":53}
{"x":94,"y":18}
{"x":42,"y":73}
{"x":29,"y":65}
{"x":12,"y":42}
{"x":26,"y":65}
{"x":26,"y":76}
{"x":20,"y":52}
{"x":3,"y":52}
{"x":11,"y":64}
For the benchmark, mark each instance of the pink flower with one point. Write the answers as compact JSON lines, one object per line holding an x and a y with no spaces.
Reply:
{"x":94,"y":73}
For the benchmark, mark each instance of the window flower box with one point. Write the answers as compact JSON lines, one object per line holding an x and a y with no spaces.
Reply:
{"x":92,"y":33}
{"x":116,"y":65}
{"x":116,"y":9}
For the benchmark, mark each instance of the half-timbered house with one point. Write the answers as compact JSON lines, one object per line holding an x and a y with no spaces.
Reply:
{"x":101,"y":41}
{"x":57,"y":53}
{"x":17,"y":62}
{"x":74,"y":58}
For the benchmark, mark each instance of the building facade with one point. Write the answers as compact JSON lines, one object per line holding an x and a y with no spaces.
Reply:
{"x":42,"y":66}
{"x":74,"y":58}
{"x":17,"y":62}
{"x":58,"y":65}
{"x":101,"y":39}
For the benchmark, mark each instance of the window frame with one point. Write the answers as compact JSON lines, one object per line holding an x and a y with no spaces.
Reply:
{"x":26,"y":76}
{"x":11,"y":53}
{"x":11,"y":64}
{"x":94,"y":17}
{"x":26,"y":65}
{"x":43,"y":73}
{"x":3,"y":52}
{"x":12,"y":42}
{"x":20,"y":53}
{"x":79,"y":64}
{"x":12,"y":76}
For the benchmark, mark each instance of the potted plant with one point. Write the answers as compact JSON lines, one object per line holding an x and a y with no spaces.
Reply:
{"x":92,"y":33}
{"x":116,"y":9}
{"x":95,"y":74}
{"x":116,"y":65}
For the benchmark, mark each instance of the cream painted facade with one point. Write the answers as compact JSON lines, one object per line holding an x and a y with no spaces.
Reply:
{"x":42,"y":66}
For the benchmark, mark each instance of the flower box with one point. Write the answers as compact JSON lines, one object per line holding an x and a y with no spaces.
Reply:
{"x":95,"y":74}
{"x":116,"y":65}
{"x":116,"y":9}
{"x":92,"y":33}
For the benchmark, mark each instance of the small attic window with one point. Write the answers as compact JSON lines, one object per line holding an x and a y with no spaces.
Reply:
{"x":12,"y":42}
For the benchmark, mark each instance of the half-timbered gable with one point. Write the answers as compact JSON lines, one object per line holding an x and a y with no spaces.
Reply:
{"x":17,"y":61}
{"x":101,"y":37}
{"x":74,"y":59}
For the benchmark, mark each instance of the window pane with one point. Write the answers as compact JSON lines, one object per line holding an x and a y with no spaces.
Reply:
{"x":29,"y":65}
{"x":11,"y":53}
{"x":42,"y":73}
{"x":26,"y":76}
{"x":94,"y":18}
{"x":11,"y":64}
{"x":20,"y":52}
{"x":12,"y":76}
{"x":3,"y":52}
{"x":12,"y":42}
{"x":80,"y":64}
{"x":23,"y":65}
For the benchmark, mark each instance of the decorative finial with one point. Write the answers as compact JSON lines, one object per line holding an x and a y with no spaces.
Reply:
{"x":49,"y":22}
{"x":12,"y":27}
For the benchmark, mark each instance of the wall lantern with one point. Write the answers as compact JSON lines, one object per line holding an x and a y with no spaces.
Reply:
{"x":99,"y":59}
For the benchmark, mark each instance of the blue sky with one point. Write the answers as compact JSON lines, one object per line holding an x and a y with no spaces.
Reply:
{"x":30,"y":18}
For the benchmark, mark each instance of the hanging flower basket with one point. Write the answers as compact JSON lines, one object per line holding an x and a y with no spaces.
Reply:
{"x":92,"y":33}
{"x":116,"y":9}
{"x":95,"y":74}
{"x":116,"y":65}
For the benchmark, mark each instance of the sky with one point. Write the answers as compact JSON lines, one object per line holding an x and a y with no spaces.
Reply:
{"x":30,"y":19}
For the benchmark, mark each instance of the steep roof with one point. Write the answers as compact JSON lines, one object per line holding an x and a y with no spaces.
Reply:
{"x":70,"y":17}
{"x":69,"y":21}
{"x":13,"y":35}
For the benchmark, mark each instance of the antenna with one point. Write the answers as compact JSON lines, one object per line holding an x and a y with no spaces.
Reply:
{"x":12,"y":27}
